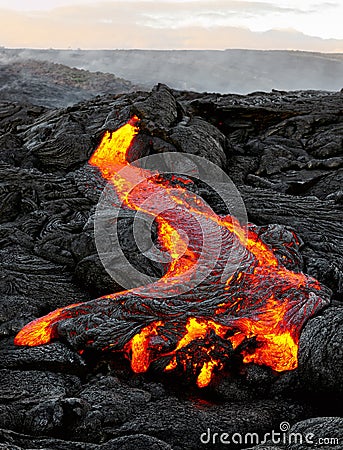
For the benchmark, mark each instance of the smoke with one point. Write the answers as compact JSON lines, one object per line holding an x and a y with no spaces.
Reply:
{"x":229,"y":71}
{"x":23,"y":80}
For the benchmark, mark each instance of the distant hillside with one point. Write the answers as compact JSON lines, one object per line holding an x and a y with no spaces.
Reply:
{"x":54,"y":85}
{"x":229,"y":71}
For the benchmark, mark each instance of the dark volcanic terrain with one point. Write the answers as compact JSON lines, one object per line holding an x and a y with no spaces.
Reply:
{"x":284,"y":152}
{"x":55,"y":85}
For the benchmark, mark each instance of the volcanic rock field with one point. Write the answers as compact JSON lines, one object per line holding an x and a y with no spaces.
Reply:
{"x":284,"y":152}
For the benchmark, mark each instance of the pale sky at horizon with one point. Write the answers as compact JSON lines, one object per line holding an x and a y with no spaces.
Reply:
{"x":270,"y":24}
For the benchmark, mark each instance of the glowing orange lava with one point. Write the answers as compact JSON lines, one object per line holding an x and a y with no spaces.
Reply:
{"x":263,"y":301}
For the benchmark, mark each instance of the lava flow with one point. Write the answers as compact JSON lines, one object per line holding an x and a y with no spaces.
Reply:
{"x":257,"y":312}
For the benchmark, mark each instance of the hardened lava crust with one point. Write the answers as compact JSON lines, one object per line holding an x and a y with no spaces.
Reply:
{"x":283,"y":151}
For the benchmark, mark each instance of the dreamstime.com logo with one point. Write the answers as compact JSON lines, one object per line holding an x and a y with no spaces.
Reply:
{"x":110,"y":216}
{"x":283,"y":436}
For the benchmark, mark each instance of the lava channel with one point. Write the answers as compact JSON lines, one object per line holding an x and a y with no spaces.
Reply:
{"x":257,"y":312}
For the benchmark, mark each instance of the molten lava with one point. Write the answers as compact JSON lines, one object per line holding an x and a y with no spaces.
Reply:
{"x":256,"y":312}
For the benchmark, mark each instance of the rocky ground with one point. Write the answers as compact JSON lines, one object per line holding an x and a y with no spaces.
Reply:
{"x":284,"y":152}
{"x":54,"y":85}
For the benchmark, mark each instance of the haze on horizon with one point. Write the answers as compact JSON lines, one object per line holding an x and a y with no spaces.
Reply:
{"x":308,"y":25}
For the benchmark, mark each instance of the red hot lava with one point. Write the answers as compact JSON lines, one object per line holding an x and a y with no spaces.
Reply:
{"x":258,"y":312}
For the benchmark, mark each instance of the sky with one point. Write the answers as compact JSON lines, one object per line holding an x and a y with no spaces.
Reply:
{"x":311,"y":25}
